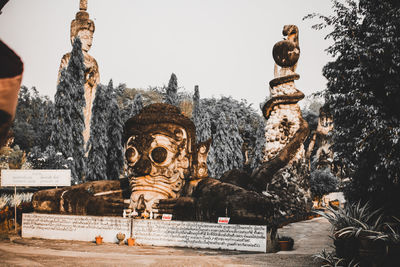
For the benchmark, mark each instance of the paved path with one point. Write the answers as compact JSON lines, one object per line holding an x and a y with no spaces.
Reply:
{"x":310,"y":237}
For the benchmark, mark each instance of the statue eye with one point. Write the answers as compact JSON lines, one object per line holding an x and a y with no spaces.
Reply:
{"x":131,"y":155}
{"x":159,"y":154}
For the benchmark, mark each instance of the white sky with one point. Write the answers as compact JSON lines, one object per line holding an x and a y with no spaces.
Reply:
{"x":224,"y":46}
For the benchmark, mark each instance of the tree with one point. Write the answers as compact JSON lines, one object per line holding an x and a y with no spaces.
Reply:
{"x":226,"y":149}
{"x":61,"y":138}
{"x":68,"y":123}
{"x":322,"y":182}
{"x":200,"y":118}
{"x":256,"y":152}
{"x":98,"y":141}
{"x":171,"y":92}
{"x":76,"y":69}
{"x":32,"y":124}
{"x":115,"y":154}
{"x":47,"y":159}
{"x":363,"y":95}
{"x":133,"y":107}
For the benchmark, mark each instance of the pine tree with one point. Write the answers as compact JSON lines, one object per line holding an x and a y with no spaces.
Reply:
{"x":363,"y":95}
{"x":225,"y":153}
{"x":235,"y":160}
{"x":200,"y":118}
{"x":171,"y":94}
{"x":76,"y":69}
{"x":98,"y":141}
{"x":68,"y":122}
{"x":133,"y":108}
{"x":256,"y":153}
{"x":115,"y":154}
{"x":61,"y":137}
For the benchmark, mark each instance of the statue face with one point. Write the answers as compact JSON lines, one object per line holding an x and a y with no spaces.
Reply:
{"x":86,"y":38}
{"x":158,"y":162}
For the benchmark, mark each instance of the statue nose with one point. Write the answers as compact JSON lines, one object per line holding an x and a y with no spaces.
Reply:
{"x":143,"y":167}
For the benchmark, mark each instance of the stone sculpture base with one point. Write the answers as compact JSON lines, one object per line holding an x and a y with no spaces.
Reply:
{"x":146,"y":232}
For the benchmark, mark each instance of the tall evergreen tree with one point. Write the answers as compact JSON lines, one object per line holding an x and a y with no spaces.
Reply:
{"x":133,"y":107}
{"x":226,"y":153}
{"x":201,"y":118}
{"x":235,"y":142}
{"x":171,"y":94}
{"x":98,"y":141}
{"x":115,"y":151}
{"x":256,"y":152}
{"x":61,"y":137}
{"x":76,"y":69}
{"x":68,"y":123}
{"x":363,"y":95}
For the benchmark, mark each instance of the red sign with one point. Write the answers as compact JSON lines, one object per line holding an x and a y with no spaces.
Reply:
{"x":223,"y":219}
{"x":166,"y":217}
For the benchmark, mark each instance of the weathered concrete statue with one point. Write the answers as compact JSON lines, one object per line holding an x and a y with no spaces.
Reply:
{"x":320,"y":137}
{"x":83,"y":27}
{"x":168,"y":173}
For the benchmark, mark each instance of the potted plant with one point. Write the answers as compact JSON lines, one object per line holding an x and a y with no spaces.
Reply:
{"x":130,"y":241}
{"x":285,"y":243}
{"x":99,"y":240}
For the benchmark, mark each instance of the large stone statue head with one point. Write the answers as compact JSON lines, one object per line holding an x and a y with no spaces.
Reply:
{"x":161,"y":155}
{"x":82,"y":27}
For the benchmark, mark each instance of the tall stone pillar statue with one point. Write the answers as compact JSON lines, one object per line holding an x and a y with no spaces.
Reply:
{"x":83,"y":27}
{"x":284,"y":163}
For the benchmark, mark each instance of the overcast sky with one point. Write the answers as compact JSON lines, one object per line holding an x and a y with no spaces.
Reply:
{"x":224,"y":46}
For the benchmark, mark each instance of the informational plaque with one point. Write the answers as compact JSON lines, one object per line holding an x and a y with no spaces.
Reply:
{"x":71,"y":227}
{"x":35,"y":177}
{"x":147,"y":232}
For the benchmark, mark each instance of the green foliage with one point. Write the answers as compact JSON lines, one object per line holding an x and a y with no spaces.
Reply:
{"x":250,"y":126}
{"x":76,"y":69}
{"x":322,"y":182}
{"x":115,"y":155}
{"x":61,"y":138}
{"x":98,"y":141}
{"x":32,"y":124}
{"x":68,"y":122}
{"x":171,"y":92}
{"x":364,"y":97}
{"x":201,"y":118}
{"x":47,"y":159}
{"x":227,"y":146}
{"x":357,"y":228}
{"x":133,"y":107}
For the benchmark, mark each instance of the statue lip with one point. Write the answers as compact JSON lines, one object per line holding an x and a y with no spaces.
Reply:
{"x":154,"y":188}
{"x":157,"y":184}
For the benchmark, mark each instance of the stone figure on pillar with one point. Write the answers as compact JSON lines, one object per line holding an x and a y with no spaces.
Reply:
{"x":83,"y":27}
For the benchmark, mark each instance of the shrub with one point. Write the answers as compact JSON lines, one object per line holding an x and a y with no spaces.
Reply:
{"x":322,"y":182}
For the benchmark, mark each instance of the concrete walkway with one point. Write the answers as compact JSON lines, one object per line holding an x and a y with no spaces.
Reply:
{"x":310,"y":237}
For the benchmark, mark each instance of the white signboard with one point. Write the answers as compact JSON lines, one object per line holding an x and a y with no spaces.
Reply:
{"x":146,"y":232}
{"x":35,"y":177}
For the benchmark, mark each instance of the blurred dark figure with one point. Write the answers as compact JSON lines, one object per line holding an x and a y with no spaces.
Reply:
{"x":11,"y":68}
{"x":2,"y":4}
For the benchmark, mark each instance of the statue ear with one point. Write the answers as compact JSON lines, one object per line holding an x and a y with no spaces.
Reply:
{"x":200,"y":168}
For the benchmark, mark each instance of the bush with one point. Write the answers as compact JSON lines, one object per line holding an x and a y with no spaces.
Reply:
{"x":48,"y":159}
{"x":322,"y":182}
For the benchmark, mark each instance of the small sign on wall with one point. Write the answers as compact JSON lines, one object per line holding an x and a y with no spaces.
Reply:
{"x":35,"y":177}
{"x":167,"y":217}
{"x":223,"y":219}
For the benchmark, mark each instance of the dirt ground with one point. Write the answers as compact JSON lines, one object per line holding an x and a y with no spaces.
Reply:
{"x":310,"y":237}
